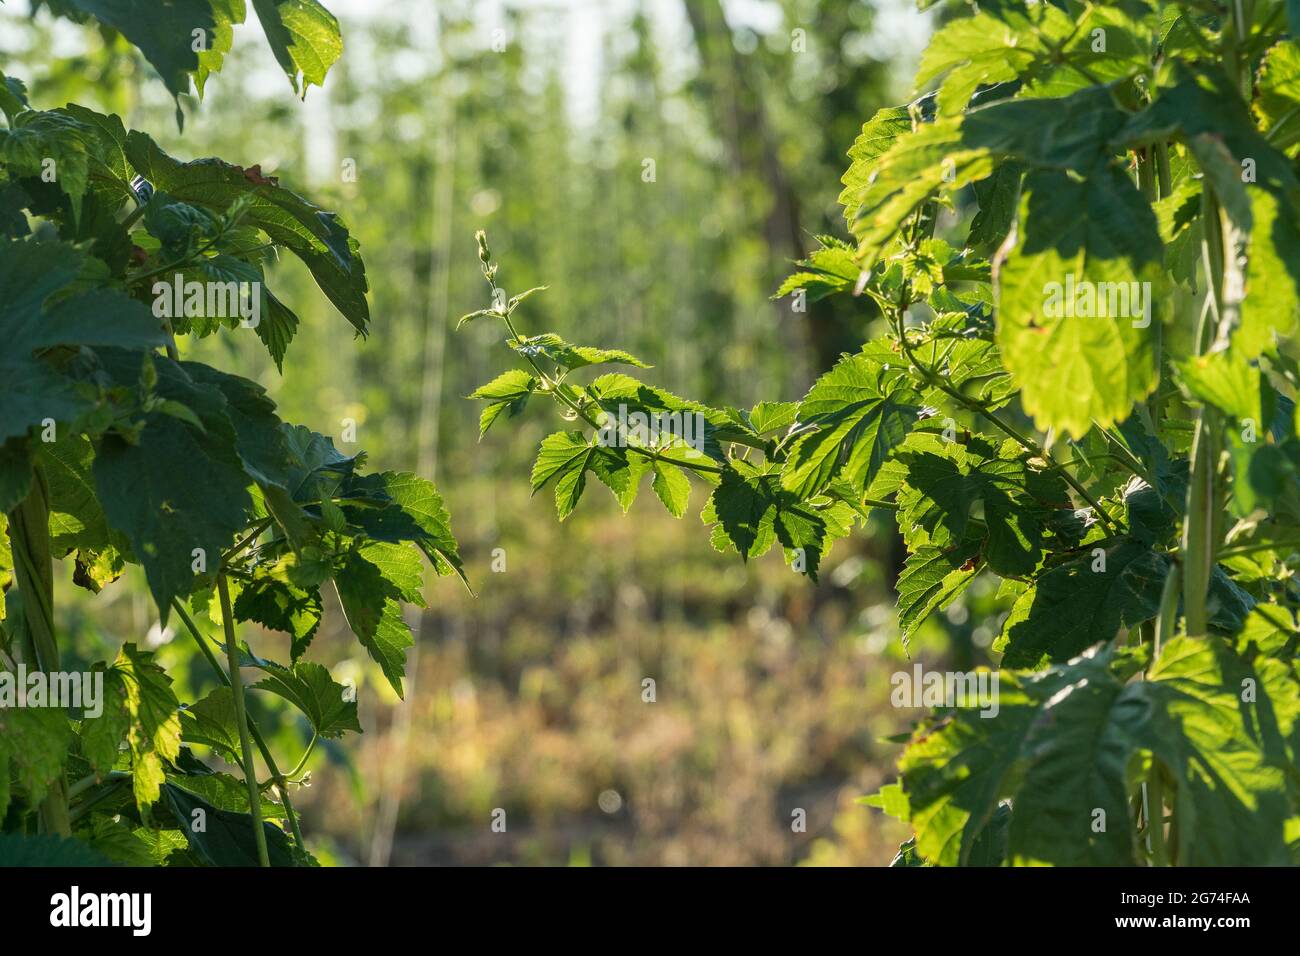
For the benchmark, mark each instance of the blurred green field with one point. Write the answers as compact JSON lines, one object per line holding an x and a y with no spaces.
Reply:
{"x":530,"y":699}
{"x":771,"y":696}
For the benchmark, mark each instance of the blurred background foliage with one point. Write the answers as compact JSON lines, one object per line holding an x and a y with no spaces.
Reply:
{"x":660,"y":164}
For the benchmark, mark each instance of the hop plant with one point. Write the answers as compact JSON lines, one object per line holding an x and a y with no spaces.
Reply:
{"x":119,"y":454}
{"x":1087,"y":392}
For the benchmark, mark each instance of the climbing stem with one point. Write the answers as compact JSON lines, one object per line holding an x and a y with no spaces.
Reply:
{"x":94,"y":780}
{"x":1163,"y":178}
{"x":878,"y":503}
{"x":582,"y":413}
{"x":1156,"y":815}
{"x":1198,"y":544}
{"x":281,"y":782}
{"x":245,"y":541}
{"x":29,"y":537}
{"x":173,"y":352}
{"x":1167,"y":619}
{"x":306,"y":754}
{"x":241,"y":719}
{"x":131,"y":220}
{"x":1257,"y":547}
{"x":1025,"y":441}
{"x":101,"y":793}
{"x":1162,"y":188}
{"x":1147,"y":175}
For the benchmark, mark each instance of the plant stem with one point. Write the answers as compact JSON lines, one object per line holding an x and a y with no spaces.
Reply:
{"x":85,"y":783}
{"x":1124,"y":456}
{"x":302,"y":764}
{"x":180,"y":263}
{"x":1029,"y":444}
{"x":173,"y":352}
{"x":877,"y":503}
{"x":95,"y":799}
{"x":246,"y":540}
{"x":29,"y":537}
{"x":1198,"y":545}
{"x":1162,"y":170}
{"x":1256,"y":547}
{"x":241,"y":719}
{"x":267,"y":757}
{"x":582,"y":413}
{"x":1147,"y":175}
{"x":1198,"y":553}
{"x":136,"y":213}
{"x":1156,"y":814}
{"x":1167,"y":619}
{"x":1281,"y":122}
